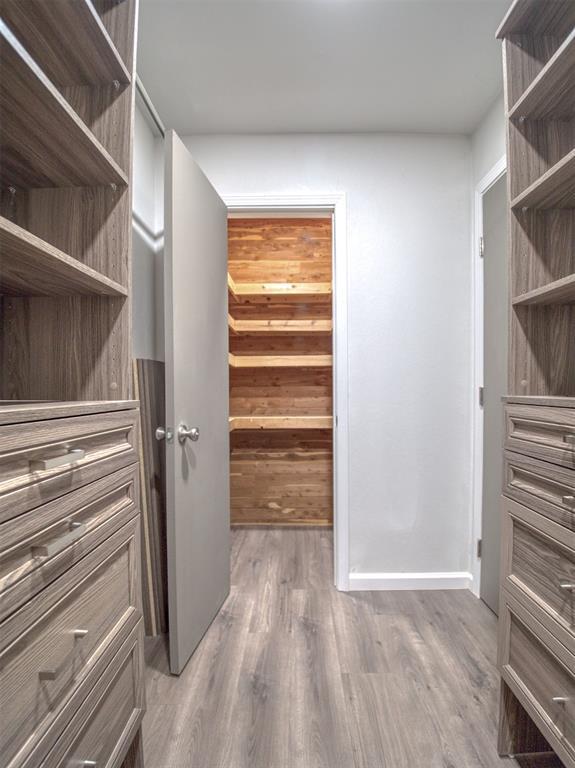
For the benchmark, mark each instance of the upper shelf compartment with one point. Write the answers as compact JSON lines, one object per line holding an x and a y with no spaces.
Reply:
{"x":552,"y":94}
{"x":68,"y":40}
{"x":554,"y":189}
{"x":278,"y":292}
{"x":311,"y":327}
{"x":43,"y":142}
{"x":538,"y":17}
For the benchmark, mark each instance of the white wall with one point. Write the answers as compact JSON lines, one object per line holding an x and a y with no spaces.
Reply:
{"x":409,"y":326}
{"x":147,"y":285}
{"x":488,"y":143}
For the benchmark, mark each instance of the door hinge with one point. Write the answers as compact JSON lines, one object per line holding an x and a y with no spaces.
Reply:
{"x":479,"y":548}
{"x":481,"y":396}
{"x":481,"y":247}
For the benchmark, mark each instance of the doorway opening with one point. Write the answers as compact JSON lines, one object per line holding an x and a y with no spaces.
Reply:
{"x":288,"y":341}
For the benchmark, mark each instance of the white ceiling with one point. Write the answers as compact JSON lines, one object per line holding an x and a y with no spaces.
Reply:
{"x":282,"y":66}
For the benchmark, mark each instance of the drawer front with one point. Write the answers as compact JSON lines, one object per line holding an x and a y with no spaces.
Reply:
{"x":44,"y":659}
{"x":42,"y":460}
{"x":41,"y":544}
{"x":539,"y":568}
{"x":544,"y":433}
{"x":547,"y":488}
{"x":541,"y":673}
{"x":102,"y":729}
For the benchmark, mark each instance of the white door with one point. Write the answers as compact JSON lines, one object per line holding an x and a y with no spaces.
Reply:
{"x":495,"y":383}
{"x":197,"y":398}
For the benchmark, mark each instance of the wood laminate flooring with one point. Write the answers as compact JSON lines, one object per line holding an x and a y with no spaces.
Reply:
{"x":294,"y":674}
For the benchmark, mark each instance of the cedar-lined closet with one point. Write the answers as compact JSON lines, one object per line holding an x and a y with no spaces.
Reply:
{"x":280,"y":321}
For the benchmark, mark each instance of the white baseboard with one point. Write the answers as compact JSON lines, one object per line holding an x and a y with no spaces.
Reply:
{"x":389,"y":581}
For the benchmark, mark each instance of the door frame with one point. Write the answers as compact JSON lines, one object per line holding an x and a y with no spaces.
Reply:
{"x":478,"y":292}
{"x":334,"y":203}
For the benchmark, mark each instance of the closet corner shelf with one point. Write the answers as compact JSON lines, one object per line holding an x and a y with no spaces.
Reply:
{"x":280,"y":361}
{"x":551,"y":95}
{"x":554,"y":189}
{"x":29,"y":266}
{"x":280,"y":327}
{"x":525,"y":16}
{"x":558,"y":292}
{"x":44,"y":142}
{"x":278,"y":292}
{"x":68,"y":39}
{"x":280,"y":422}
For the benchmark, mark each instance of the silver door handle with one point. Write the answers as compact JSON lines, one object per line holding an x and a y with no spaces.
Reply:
{"x":184,"y":432}
{"x":568,"y":501}
{"x":164,"y":433}
{"x":567,"y":587}
{"x":76,"y":454}
{"x":569,"y":438}
{"x":77,"y":530}
{"x":563,"y":700}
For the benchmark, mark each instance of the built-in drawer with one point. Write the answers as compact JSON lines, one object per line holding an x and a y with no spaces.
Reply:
{"x":102,"y":729}
{"x":545,"y":487}
{"x":52,"y":642}
{"x":539,"y":568}
{"x":42,"y":460}
{"x":41,"y":544}
{"x":541,"y":673}
{"x":542,"y":432}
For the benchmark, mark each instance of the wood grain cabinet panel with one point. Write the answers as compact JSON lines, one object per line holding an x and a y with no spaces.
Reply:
{"x":40,"y":545}
{"x":541,"y":673}
{"x":50,"y":645}
{"x":544,"y":433}
{"x":38,"y":463}
{"x":547,"y":488}
{"x":539,"y":568}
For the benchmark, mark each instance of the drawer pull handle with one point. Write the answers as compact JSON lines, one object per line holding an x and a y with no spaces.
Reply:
{"x":76,"y":454}
{"x":79,"y":634}
{"x":569,"y":438}
{"x":562,"y":700}
{"x":77,"y":530}
{"x":568,"y":501}
{"x":83,"y":764}
{"x":48,"y":674}
{"x":568,"y":587}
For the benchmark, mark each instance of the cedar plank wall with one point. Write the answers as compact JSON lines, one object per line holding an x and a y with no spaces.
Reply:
{"x":281,"y":477}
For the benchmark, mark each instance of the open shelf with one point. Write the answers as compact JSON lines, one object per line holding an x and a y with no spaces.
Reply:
{"x":554,"y":189}
{"x":43,"y":141}
{"x":67,"y":39}
{"x":280,"y":361}
{"x":29,"y":266}
{"x":552,"y":94}
{"x":280,"y":327}
{"x":558,"y":292}
{"x":537,"y":17}
{"x":278,"y":292}
{"x":280,"y":422}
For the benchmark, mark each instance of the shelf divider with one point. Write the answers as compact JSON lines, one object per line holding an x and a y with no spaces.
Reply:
{"x":280,"y":361}
{"x":560,"y":291}
{"x":278,"y":292}
{"x":313,"y":326}
{"x":554,"y":189}
{"x":29,"y":266}
{"x":44,"y":142}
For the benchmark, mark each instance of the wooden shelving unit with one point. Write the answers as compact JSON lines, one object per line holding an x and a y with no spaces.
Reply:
{"x":70,"y":40}
{"x":45,"y":143}
{"x":554,"y":189}
{"x":280,"y":324}
{"x":280,"y":422}
{"x":278,"y":292}
{"x":280,"y":361}
{"x":539,"y":72}
{"x":551,"y":95}
{"x":280,"y":327}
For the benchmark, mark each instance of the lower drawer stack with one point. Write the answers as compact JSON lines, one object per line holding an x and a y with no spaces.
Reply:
{"x":71,"y":632}
{"x":537,"y":618}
